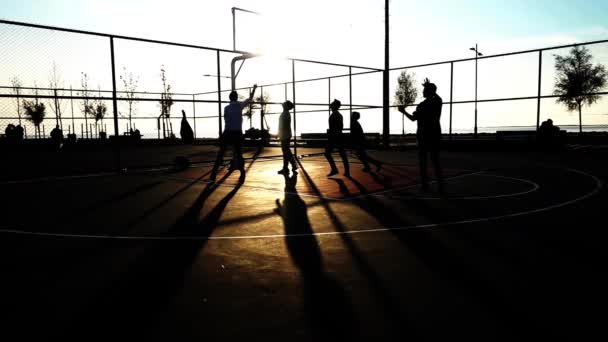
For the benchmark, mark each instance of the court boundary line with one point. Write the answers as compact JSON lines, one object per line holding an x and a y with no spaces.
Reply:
{"x":598,"y":187}
{"x":336,"y":199}
{"x":535,"y":187}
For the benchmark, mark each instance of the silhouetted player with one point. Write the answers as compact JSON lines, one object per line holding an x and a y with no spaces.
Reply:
{"x":233,"y":132}
{"x":429,"y":131}
{"x":335,"y":139}
{"x":285,"y":137}
{"x":359,"y":144}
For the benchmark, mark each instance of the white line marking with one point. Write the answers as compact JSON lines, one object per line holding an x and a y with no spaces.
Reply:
{"x":60,"y":178}
{"x":598,"y":183}
{"x":535,"y":187}
{"x":337,"y":199}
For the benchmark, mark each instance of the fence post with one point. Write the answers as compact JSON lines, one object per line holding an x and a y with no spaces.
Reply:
{"x":328,"y":95}
{"x":540,"y":71}
{"x":261,"y":110}
{"x":57,"y":114}
{"x":115,"y":105}
{"x":350,"y":91}
{"x":293,"y":87}
{"x":72,"y":106}
{"x":194,"y":114}
{"x":219,"y":96}
{"x":451,"y":95}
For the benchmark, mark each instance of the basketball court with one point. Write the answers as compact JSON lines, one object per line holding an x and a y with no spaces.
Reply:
{"x":161,"y":252}
{"x":105,"y":240}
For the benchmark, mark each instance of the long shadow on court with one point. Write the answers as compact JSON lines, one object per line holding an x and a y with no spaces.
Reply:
{"x":327,"y":306}
{"x":451,"y":267}
{"x":138,"y":298}
{"x":398,"y":319}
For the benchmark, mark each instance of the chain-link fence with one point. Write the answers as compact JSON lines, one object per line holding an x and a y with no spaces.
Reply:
{"x":107,"y":93}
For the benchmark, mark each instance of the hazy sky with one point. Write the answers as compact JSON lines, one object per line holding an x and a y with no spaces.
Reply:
{"x":421,"y":30}
{"x":350,"y":32}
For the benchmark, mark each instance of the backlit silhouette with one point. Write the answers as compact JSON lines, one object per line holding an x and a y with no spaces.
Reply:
{"x":285,"y":137}
{"x":427,"y":115}
{"x":233,"y":133}
{"x":335,"y":139}
{"x":358,"y":143}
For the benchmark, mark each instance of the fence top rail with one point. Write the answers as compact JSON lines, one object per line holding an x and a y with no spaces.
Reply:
{"x":502,"y":54}
{"x":146,"y":40}
{"x":93,"y":90}
{"x":108,"y":35}
{"x":191,"y":94}
{"x":290,"y":82}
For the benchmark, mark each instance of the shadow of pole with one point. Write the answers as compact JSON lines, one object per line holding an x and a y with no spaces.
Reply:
{"x":438,"y":258}
{"x":393,"y":313}
{"x":145,"y":291}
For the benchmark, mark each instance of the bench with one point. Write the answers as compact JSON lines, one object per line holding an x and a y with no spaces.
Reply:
{"x":373,"y":139}
{"x":532,"y":137}
{"x":528,"y":136}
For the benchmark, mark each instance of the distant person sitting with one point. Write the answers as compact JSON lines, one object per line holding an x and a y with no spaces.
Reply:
{"x":548,"y":134}
{"x":57,"y":137}
{"x":18,"y":133}
{"x":9,"y":132}
{"x":285,"y":137}
{"x":358,"y":143}
{"x":136,"y":134}
{"x":185,"y":130}
{"x":335,"y":139}
{"x":428,"y":136}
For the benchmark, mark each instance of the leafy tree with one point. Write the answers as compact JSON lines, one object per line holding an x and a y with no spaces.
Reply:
{"x":577,"y":79}
{"x":98,"y":110}
{"x":406,"y":92}
{"x":35,"y":111}
{"x":261,"y":103}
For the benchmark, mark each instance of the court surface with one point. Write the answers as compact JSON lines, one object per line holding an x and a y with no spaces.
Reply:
{"x":511,"y":252}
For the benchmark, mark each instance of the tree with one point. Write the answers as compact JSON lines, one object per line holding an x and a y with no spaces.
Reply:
{"x":130,"y":84}
{"x":87,"y":107}
{"x":16,"y":89}
{"x":577,"y":80}
{"x":166,"y":102}
{"x":55,"y":82}
{"x":35,"y":111}
{"x":99,"y":110}
{"x":261,"y":104}
{"x":406,"y":92}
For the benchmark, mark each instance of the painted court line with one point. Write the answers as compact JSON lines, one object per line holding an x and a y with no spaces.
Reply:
{"x":598,"y":186}
{"x":59,"y":178}
{"x":534,"y":188}
{"x":337,"y":199}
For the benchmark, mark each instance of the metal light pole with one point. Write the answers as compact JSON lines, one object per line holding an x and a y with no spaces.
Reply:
{"x":207,"y":75}
{"x":477,"y":55}
{"x":219,"y":94}
{"x":385,"y":79}
{"x":234,"y":9}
